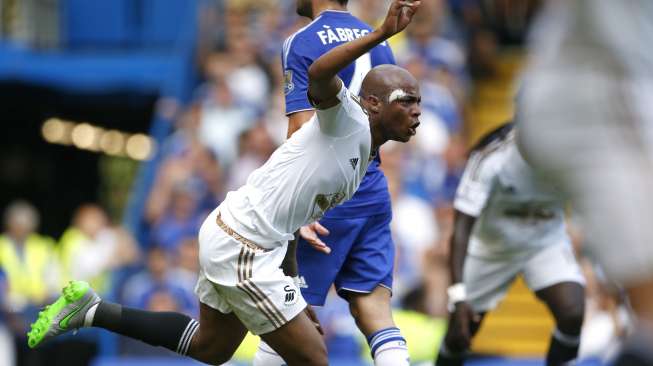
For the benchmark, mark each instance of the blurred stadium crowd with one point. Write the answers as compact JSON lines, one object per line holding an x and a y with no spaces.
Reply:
{"x":465,"y":54}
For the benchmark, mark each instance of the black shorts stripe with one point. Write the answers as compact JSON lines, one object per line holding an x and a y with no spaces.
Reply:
{"x":260,"y":305}
{"x":271,"y":304}
{"x":250,"y":264}
{"x":263,"y":303}
{"x":239,"y":266}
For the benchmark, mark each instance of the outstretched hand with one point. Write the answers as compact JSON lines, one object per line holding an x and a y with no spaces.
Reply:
{"x":310,"y":233}
{"x":399,"y":16}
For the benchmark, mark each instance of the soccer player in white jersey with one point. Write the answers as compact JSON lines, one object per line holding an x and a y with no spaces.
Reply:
{"x":507,"y":223}
{"x":587,"y":123}
{"x":243,"y":241}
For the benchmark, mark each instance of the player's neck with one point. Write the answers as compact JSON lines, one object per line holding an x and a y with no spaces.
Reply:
{"x":321,"y":7}
{"x":378,"y":138}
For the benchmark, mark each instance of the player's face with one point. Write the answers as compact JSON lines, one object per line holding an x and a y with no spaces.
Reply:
{"x":304,"y":8}
{"x":402,"y":115}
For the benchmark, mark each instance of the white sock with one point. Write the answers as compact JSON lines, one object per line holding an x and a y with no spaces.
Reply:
{"x":389,"y":348}
{"x":266,"y":356}
{"x":90,"y":314}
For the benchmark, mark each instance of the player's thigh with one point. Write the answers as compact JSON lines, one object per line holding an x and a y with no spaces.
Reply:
{"x":370,"y":261}
{"x":566,"y":301}
{"x":298,"y":342}
{"x":319,"y":270}
{"x":487,"y":279}
{"x":552,"y":265}
{"x":555,"y":276}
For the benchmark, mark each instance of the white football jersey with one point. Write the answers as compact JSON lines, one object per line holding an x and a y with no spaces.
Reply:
{"x":515,"y":210}
{"x":319,"y":167}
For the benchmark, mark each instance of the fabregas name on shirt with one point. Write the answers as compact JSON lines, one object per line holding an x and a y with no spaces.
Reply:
{"x":330,"y":35}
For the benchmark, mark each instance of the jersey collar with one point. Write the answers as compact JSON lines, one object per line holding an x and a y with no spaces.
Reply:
{"x":335,"y":12}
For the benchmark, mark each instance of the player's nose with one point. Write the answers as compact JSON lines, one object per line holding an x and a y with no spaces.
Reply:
{"x":416,"y":110}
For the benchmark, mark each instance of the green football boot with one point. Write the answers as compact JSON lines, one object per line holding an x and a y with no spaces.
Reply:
{"x":65,"y":314}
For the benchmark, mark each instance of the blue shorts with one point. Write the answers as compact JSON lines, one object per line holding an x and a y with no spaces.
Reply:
{"x":361,"y":258}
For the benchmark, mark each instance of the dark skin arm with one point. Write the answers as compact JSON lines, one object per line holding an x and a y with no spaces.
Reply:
{"x":289,"y":267}
{"x":458,"y":337}
{"x":462,"y":230}
{"x":289,"y":264}
{"x":296,"y":120}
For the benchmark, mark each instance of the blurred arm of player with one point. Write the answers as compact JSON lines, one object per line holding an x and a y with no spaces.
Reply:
{"x":458,"y":336}
{"x":472,"y":196}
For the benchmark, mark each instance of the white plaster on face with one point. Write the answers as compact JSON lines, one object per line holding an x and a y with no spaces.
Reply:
{"x":396,"y":94}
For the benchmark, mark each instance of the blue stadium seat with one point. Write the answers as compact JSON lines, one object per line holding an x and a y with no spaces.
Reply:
{"x":97,"y":23}
{"x":166,"y":22}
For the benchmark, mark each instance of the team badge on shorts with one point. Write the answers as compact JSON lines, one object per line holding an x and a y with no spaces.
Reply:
{"x":288,"y":85}
{"x":291,"y":295}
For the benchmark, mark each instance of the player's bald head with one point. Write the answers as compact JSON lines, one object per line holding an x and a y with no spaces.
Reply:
{"x":390,"y":96}
{"x":384,"y":80}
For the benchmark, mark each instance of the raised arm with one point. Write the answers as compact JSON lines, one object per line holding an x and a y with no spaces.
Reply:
{"x":323,"y":82}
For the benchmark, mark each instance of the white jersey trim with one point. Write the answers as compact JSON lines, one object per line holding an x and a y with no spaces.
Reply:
{"x":299,"y":110}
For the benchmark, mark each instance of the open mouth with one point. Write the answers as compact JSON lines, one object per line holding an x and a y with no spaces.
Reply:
{"x":413,"y":128}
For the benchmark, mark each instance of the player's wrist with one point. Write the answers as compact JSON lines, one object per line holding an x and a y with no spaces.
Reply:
{"x":381,"y":34}
{"x":457,"y":294}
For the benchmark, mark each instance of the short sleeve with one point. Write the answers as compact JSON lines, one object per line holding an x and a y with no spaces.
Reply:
{"x":344,"y":117}
{"x":295,"y":63}
{"x":476,"y":184}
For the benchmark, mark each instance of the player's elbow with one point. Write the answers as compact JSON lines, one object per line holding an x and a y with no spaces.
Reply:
{"x":315,"y":72}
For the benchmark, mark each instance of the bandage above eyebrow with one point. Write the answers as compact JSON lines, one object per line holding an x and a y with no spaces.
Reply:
{"x":396,"y":94}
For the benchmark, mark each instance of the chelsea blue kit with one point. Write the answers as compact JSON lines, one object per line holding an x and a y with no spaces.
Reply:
{"x":362,"y":253}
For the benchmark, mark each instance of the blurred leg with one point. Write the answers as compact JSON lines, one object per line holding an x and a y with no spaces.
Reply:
{"x":567,"y":304}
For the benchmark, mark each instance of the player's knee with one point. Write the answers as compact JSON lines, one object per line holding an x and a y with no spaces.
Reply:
{"x":371,"y":314}
{"x":570,"y":318}
{"x":318,"y":358}
{"x":217,"y":356}
{"x":372,"y":304}
{"x":208,"y":351}
{"x":315,"y":355}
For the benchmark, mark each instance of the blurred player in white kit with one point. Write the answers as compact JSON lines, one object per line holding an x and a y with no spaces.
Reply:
{"x":509,"y":223}
{"x":587,"y":123}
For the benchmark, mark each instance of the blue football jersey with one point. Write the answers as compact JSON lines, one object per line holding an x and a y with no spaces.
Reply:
{"x":331,"y":29}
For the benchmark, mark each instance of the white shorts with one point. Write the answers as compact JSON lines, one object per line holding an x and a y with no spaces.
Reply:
{"x":245,"y":280}
{"x":487,"y":279}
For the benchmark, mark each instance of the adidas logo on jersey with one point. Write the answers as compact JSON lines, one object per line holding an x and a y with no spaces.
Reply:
{"x":353,"y":162}
{"x":301,"y":282}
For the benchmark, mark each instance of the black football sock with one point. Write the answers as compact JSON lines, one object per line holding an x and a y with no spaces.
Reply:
{"x":173,"y":331}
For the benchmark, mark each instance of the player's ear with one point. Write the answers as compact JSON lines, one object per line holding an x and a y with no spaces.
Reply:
{"x":374,"y":103}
